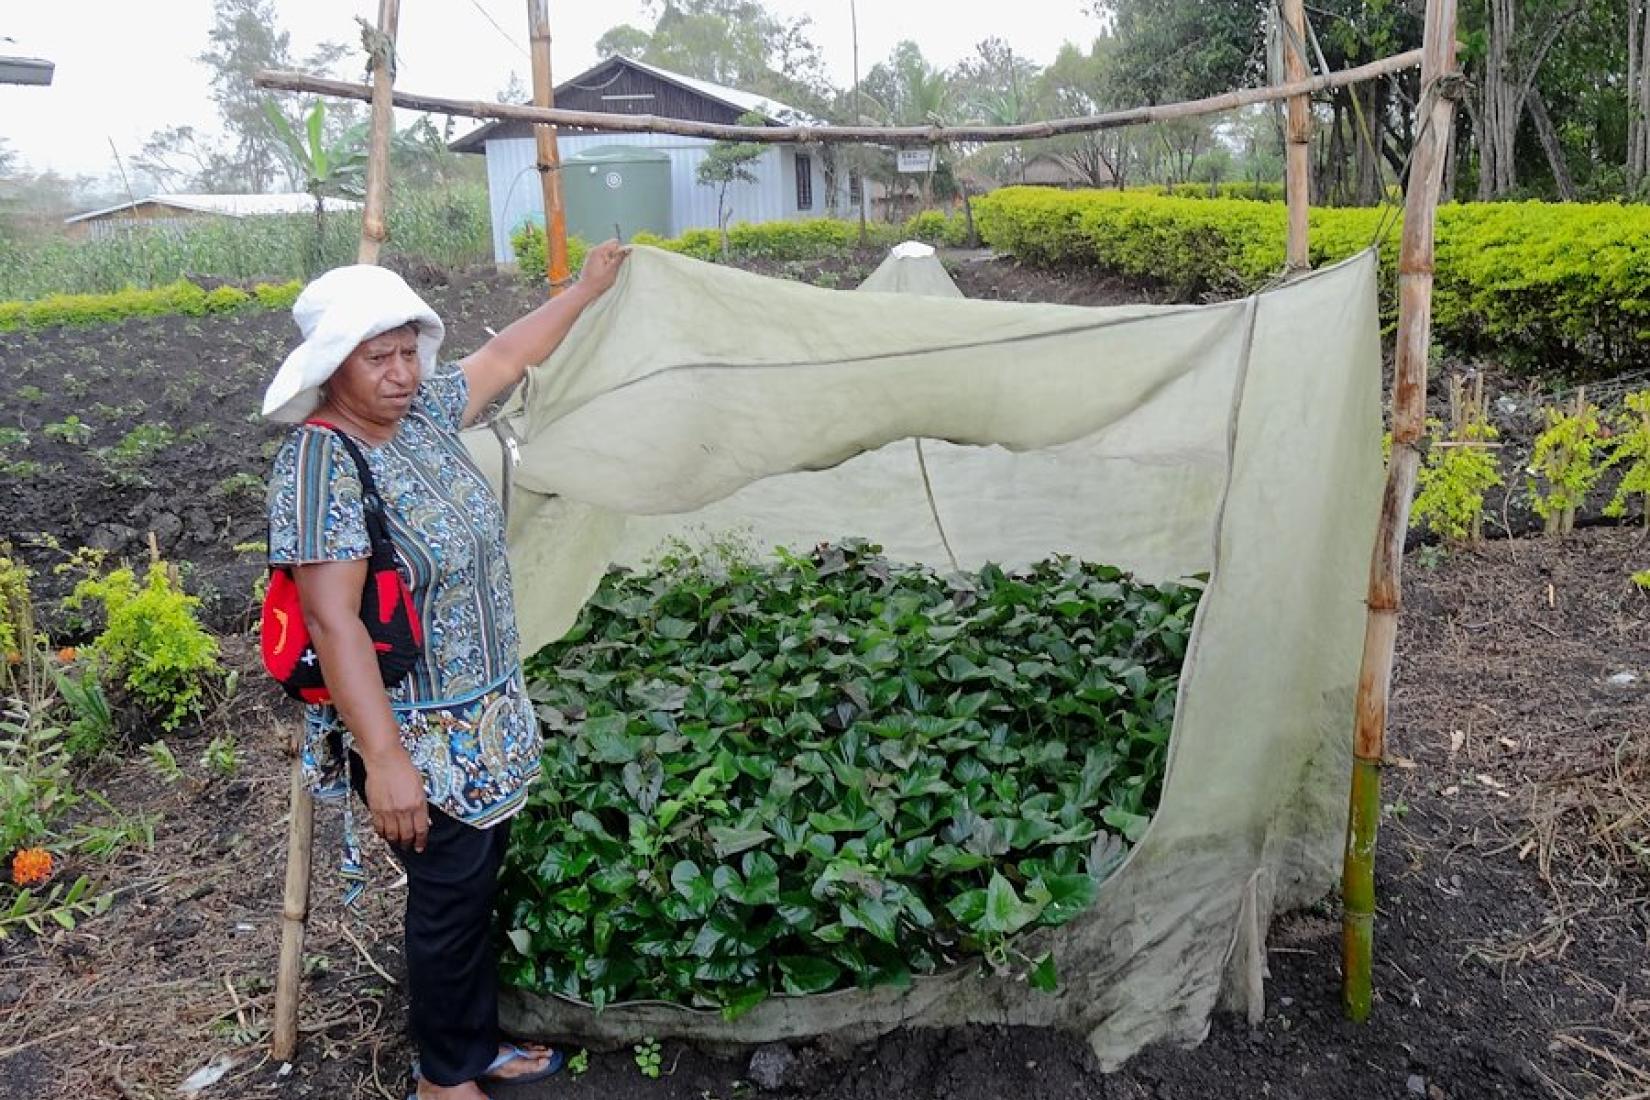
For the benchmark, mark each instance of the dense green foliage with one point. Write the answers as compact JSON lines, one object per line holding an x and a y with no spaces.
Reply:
{"x":152,"y":643}
{"x":1560,"y":289}
{"x":833,"y":771}
{"x":803,"y":239}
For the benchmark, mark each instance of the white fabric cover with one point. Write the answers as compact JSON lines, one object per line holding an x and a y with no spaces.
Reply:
{"x":335,"y":313}
{"x":1240,"y":440}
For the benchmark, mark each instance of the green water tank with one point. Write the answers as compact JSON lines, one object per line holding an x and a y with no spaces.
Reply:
{"x":616,"y":185}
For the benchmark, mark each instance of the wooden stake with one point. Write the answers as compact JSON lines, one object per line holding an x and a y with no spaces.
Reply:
{"x":374,"y":231}
{"x":300,"y":837}
{"x":1386,"y":566}
{"x":1297,"y":168}
{"x":549,"y":163}
{"x":289,"y":977}
{"x":286,"y":81}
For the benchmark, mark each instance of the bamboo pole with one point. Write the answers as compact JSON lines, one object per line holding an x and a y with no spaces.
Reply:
{"x":374,"y":232}
{"x":294,"y":915}
{"x":1297,"y":178}
{"x":287,"y":81}
{"x":549,"y":162}
{"x":1415,"y":264}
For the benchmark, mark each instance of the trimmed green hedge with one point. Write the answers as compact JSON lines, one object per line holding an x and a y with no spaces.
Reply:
{"x":1252,"y":191}
{"x":1545,"y":288}
{"x":806,"y":239}
{"x":180,"y":297}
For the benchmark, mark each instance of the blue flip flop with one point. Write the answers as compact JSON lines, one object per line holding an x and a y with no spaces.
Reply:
{"x":511,"y":1053}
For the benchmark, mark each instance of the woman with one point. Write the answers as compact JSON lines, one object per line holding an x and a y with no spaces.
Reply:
{"x":444,"y":758}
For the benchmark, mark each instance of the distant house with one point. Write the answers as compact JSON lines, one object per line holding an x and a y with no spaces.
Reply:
{"x":176,"y":211}
{"x":1049,"y":170}
{"x":19,"y":68}
{"x":790,"y":179}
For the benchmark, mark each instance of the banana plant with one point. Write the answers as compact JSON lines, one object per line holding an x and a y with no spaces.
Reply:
{"x":334,"y":168}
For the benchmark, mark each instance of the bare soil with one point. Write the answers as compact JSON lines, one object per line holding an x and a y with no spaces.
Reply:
{"x":1513,"y":955}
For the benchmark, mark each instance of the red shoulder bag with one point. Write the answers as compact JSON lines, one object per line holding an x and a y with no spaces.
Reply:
{"x":387,"y":608}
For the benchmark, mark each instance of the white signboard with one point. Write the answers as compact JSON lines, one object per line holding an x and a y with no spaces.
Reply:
{"x":916,"y":160}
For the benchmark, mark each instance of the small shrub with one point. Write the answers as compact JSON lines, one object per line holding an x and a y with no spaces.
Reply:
{"x":152,"y":643}
{"x":136,"y":449}
{"x":71,"y":429}
{"x":243,"y":484}
{"x":1459,"y":469}
{"x":35,"y":785}
{"x":532,"y":258}
{"x":1566,"y":464}
{"x":18,"y":640}
{"x":1631,"y":449}
{"x":935,"y":227}
{"x":92,"y":721}
{"x":221,"y":756}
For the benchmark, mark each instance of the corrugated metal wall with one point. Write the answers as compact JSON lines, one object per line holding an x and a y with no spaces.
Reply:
{"x":513,"y":184}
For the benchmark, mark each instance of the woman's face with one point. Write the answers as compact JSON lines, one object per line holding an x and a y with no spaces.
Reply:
{"x":377,"y":382}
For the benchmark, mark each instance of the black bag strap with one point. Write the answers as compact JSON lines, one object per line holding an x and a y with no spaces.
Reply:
{"x":378,"y":532}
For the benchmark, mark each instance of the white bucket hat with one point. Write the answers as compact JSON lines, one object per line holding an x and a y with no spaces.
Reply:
{"x":336,"y":313}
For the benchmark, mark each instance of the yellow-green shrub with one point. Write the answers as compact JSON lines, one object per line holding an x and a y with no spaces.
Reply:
{"x":152,"y":643}
{"x":1566,"y":464}
{"x":1253,"y":191}
{"x":1631,"y":448}
{"x":1450,"y":487}
{"x":181,"y":297}
{"x":1560,"y":288}
{"x":936,"y":227}
{"x":527,"y":242}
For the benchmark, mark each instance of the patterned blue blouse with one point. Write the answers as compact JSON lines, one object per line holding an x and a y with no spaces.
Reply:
{"x":463,"y":712}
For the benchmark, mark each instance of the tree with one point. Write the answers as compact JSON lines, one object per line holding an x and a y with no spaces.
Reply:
{"x":178,"y":158}
{"x":1507,"y":48}
{"x":995,"y":87}
{"x":329,"y":168}
{"x":243,"y":39}
{"x":514,"y":91}
{"x":1077,"y":84}
{"x":738,"y":43}
{"x":728,"y":163}
{"x":1170,"y":50}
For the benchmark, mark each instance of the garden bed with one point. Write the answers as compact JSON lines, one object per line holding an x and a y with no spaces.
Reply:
{"x":1510,"y":946}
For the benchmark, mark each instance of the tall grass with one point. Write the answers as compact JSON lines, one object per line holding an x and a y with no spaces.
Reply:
{"x":450,"y":228}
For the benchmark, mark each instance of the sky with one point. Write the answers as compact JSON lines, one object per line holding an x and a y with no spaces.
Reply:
{"x":125,"y":70}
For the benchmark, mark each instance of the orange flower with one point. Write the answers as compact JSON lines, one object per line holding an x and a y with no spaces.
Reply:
{"x":67,"y":655}
{"x":31,"y":866}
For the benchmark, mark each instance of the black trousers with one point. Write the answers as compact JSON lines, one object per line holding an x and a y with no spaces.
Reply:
{"x":452,"y":960}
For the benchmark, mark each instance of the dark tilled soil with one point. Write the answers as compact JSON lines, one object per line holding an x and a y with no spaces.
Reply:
{"x":1513,"y":950}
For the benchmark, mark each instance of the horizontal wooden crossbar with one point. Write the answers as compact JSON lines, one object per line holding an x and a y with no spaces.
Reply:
{"x":286,"y":81}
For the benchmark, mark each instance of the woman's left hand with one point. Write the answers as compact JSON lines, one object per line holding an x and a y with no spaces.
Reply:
{"x":601,"y":267}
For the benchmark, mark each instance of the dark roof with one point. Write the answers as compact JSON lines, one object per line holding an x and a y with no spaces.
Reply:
{"x":620,"y":85}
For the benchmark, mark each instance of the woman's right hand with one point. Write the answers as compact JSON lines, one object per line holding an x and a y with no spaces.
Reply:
{"x":395,"y":796}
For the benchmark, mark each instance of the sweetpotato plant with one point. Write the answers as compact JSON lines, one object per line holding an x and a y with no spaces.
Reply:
{"x":834,"y":771}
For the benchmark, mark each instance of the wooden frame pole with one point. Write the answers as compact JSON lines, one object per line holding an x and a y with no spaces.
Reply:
{"x":286,"y":81}
{"x":374,"y":231}
{"x":289,"y":974}
{"x":1409,"y":386}
{"x":549,"y":156}
{"x":1297,"y":162}
{"x":300,"y":838}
